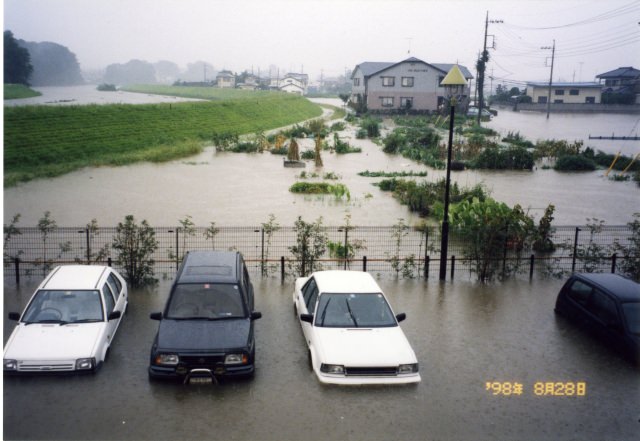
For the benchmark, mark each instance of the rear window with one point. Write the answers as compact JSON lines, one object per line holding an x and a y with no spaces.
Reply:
{"x":205,"y":301}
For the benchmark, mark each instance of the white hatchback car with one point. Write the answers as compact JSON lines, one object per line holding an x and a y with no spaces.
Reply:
{"x":69,"y":322}
{"x":352,"y":334}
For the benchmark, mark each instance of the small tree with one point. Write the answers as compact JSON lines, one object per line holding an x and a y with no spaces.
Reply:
{"x":293,"y":154}
{"x":268,"y":228}
{"x":10,"y":231}
{"x":210,"y":234}
{"x":135,"y":245}
{"x":311,"y":243}
{"x":630,"y":262}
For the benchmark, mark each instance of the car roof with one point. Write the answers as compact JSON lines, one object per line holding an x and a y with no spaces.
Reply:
{"x":346,"y":282}
{"x":70,"y":277}
{"x":209,"y":266}
{"x":621,"y":287}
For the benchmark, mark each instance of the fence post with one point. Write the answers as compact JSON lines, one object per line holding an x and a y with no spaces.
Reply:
{"x":453,"y":266}
{"x":575,"y":250}
{"x":17,"y":266}
{"x":364,"y":264}
{"x":614,"y":258}
{"x":177,"y":250}
{"x":281,"y":269}
{"x":109,"y":261}
{"x":346,"y":244}
{"x":427,"y":262}
{"x":88,"y":247}
{"x":426,"y":253}
{"x":532,"y":260}
{"x":262,"y":267}
{"x":504,"y":252}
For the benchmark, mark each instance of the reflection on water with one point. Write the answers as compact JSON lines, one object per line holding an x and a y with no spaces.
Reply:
{"x":243,"y":189}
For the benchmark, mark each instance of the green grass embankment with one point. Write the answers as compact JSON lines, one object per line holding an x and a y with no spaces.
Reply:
{"x":47,"y":141}
{"x":17,"y":91}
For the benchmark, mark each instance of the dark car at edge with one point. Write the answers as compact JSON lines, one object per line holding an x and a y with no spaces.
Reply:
{"x":206,"y":330}
{"x":607,"y":306}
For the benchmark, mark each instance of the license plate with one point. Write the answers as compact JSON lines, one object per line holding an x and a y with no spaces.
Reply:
{"x":200,"y":380}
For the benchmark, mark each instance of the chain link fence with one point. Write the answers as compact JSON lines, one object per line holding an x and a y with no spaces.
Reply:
{"x":399,"y":250}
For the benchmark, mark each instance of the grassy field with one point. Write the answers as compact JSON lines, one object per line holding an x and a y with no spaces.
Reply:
{"x":46,"y":141}
{"x":16,"y":91}
{"x":205,"y":93}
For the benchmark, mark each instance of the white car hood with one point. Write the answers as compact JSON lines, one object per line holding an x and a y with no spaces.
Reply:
{"x":364,"y":346}
{"x":53,"y":341}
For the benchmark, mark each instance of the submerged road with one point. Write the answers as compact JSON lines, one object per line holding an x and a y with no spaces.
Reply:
{"x":496,"y":364}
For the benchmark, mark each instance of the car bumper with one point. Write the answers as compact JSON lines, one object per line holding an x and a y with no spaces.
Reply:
{"x":364,"y":380}
{"x":183,"y":374}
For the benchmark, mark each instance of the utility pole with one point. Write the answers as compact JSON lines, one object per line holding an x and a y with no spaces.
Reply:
{"x":482,"y":65}
{"x":553,"y":53}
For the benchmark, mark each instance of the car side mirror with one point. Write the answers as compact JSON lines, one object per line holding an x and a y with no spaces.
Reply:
{"x":14,"y":316}
{"x":155,"y":316}
{"x":115,"y":315}
{"x":255,"y":315}
{"x":306,"y":318}
{"x":401,"y":317}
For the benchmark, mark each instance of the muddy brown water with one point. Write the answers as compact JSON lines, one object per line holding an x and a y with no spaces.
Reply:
{"x":465,"y":336}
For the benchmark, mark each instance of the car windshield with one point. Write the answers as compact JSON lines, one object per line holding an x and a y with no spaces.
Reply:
{"x":57,"y":306}
{"x":205,"y":301}
{"x":354,"y":310}
{"x":631,"y":311}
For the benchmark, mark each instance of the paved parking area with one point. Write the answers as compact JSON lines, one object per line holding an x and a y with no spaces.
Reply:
{"x":472,"y":341}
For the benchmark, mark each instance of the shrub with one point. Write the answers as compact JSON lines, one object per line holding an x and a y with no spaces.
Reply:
{"x":135,"y":245}
{"x":574,"y":163}
{"x":511,"y":158}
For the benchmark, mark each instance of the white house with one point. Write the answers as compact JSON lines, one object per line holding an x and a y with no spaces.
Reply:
{"x":565,"y":93}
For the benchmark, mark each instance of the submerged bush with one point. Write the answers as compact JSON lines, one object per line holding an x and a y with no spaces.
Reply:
{"x":574,"y":163}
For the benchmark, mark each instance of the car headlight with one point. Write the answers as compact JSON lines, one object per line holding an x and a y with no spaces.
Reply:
{"x":10,"y":365}
{"x":336,"y":369}
{"x":408,"y":368}
{"x":236,"y":359}
{"x":167,"y":359}
{"x":83,"y":364}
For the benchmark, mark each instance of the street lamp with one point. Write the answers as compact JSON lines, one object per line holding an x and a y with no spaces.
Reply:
{"x":454,"y":84}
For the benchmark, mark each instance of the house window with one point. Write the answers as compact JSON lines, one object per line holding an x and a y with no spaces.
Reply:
{"x":388,"y":81}
{"x":559,"y":91}
{"x":407,"y":81}
{"x":542,"y":100}
{"x":590,"y":100}
{"x":356,"y":81}
{"x":386,"y":101}
{"x":406,"y":102}
{"x":574,"y":92}
{"x":558,"y":101}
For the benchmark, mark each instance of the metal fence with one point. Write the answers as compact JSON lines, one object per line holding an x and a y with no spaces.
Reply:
{"x":399,"y":250}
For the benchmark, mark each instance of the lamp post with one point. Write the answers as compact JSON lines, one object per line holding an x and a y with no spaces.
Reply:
{"x":454,"y":83}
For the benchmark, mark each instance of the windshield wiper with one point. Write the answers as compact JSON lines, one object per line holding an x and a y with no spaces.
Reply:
{"x":82,"y":321}
{"x":351,"y":314}
{"x":49,"y":322}
{"x":324,"y":311}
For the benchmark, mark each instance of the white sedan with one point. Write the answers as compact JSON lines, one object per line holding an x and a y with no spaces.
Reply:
{"x":351,"y":331}
{"x":69,"y":322}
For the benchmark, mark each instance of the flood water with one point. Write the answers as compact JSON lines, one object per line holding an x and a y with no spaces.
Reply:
{"x":464,"y":336}
{"x":244,"y":189}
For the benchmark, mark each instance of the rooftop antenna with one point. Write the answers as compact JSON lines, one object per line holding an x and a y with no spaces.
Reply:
{"x":409,"y":45}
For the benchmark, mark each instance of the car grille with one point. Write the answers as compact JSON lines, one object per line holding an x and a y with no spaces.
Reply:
{"x":46,"y":367}
{"x":371,"y":371}
{"x":202,"y":361}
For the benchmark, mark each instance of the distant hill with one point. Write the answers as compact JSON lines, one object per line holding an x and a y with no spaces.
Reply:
{"x":53,"y":64}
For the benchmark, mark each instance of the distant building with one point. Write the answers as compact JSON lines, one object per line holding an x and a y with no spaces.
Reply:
{"x":623,"y":80}
{"x":226,"y":79}
{"x":565,"y":93}
{"x":409,"y":84}
{"x":294,"y":83}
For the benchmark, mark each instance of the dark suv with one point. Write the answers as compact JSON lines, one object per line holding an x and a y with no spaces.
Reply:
{"x":206,"y":330}
{"x":608,"y":306}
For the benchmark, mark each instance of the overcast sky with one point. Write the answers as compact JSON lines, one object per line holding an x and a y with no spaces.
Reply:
{"x":591,"y":37}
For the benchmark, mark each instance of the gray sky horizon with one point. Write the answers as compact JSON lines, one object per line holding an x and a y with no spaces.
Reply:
{"x":330,"y":37}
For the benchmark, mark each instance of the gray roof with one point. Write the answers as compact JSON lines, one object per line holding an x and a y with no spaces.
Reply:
{"x":564,"y":84}
{"x":369,"y":68}
{"x":624,"y":72}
